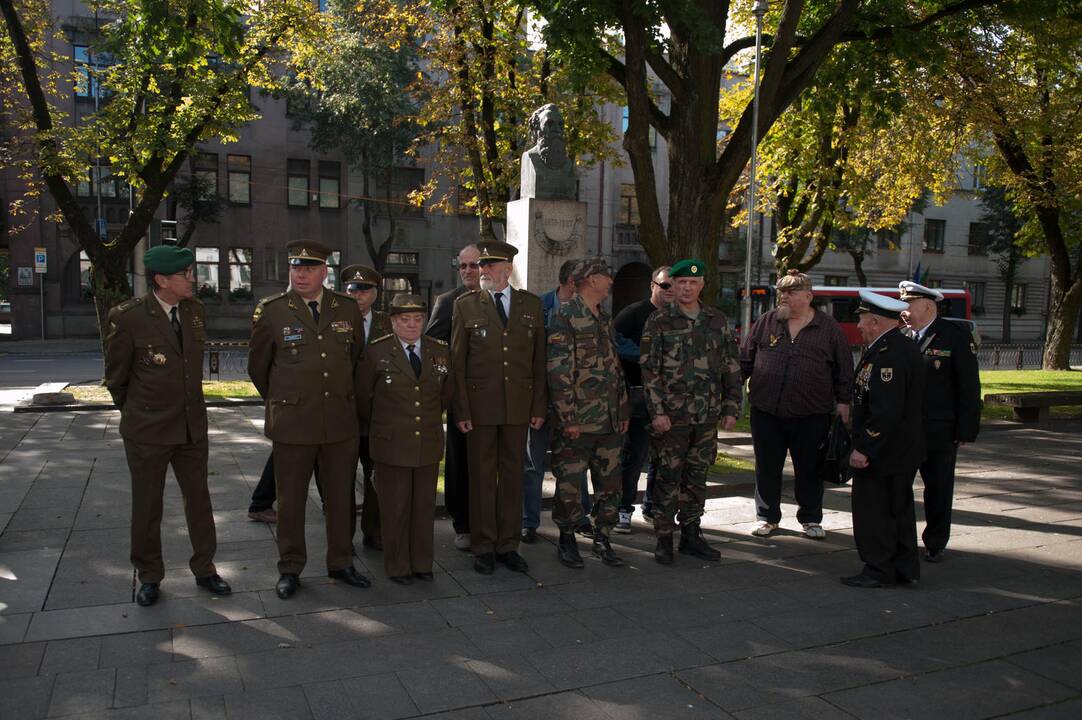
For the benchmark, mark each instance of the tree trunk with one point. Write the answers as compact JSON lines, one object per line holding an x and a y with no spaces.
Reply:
{"x":109,"y":285}
{"x":1065,"y":299}
{"x":1008,"y":287}
{"x":858,"y":266}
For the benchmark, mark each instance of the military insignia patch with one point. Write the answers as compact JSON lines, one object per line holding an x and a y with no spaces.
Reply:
{"x":973,"y":348}
{"x":257,"y":314}
{"x":937,"y":363}
{"x":197,"y":322}
{"x":773,"y":340}
{"x":873,"y":433}
{"x":158,"y":358}
{"x":342,"y":326}
{"x":292,"y":334}
{"x":886,"y":374}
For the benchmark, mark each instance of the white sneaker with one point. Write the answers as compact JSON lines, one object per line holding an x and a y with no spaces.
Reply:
{"x":815,"y":531}
{"x":764,"y":529}
{"x":624,"y":524}
{"x":462,"y":541}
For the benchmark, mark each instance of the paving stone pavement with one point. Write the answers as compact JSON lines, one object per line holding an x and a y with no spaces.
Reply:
{"x":766,"y":633}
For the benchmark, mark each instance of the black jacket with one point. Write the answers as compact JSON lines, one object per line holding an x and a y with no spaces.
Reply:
{"x":952,"y":384}
{"x":439,"y":322}
{"x":888,"y":406}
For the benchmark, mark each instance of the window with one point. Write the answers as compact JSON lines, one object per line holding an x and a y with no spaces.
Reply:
{"x":888,"y":239}
{"x":836,"y":280}
{"x":978,"y":238}
{"x":651,"y":133}
{"x":111,"y":187}
{"x":332,"y":269}
{"x":1018,"y":298}
{"x":239,"y":170}
{"x":297,"y":181}
{"x":84,"y":276}
{"x":206,"y":271}
{"x":169,"y":232}
{"x":330,"y":175}
{"x":240,"y":273}
{"x":976,"y":294}
{"x":270,"y":263}
{"x":205,"y":175}
{"x":628,"y":212}
{"x":85,"y":82}
{"x":934,"y":235}
{"x":402,"y":258}
{"x":394,"y":285}
{"x":979,"y":174}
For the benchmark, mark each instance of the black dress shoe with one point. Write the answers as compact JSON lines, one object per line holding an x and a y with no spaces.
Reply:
{"x":934,"y":556}
{"x":864,"y":581}
{"x":287,"y":585}
{"x":513,"y":561}
{"x":373,"y":542}
{"x":215,"y":584}
{"x":485,"y":563}
{"x":401,"y":579}
{"x":529,"y":535}
{"x":426,"y":576}
{"x":147,"y":595}
{"x":350,"y":576}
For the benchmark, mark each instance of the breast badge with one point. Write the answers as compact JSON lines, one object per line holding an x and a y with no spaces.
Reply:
{"x":886,"y":374}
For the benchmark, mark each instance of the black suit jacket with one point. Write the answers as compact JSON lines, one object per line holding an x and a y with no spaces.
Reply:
{"x":439,"y":323}
{"x":888,"y":406}
{"x":952,"y":384}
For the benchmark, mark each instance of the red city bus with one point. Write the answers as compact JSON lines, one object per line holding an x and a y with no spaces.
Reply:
{"x":841,"y":303}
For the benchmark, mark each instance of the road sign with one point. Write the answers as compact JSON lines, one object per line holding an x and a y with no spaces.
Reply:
{"x":103,"y":228}
{"x":41,"y":262}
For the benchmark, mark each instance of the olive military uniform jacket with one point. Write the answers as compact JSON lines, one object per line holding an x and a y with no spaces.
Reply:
{"x":888,"y":406}
{"x":381,"y":327}
{"x":155,"y":381}
{"x":405,"y":412}
{"x":307,"y":372}
{"x":499,"y":372}
{"x":585,"y":381}
{"x":952,"y":383}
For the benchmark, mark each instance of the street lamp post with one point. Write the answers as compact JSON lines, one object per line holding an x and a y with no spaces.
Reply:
{"x":759,"y":10}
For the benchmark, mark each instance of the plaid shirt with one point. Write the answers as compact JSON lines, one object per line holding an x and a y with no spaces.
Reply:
{"x":796,"y":377}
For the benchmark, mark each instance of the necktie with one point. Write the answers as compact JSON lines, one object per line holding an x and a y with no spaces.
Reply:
{"x":315,"y":309}
{"x":415,"y":361}
{"x":499,"y":308}
{"x":175,"y":322}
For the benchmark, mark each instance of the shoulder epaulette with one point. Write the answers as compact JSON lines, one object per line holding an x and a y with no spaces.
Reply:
{"x":466,"y":294}
{"x":381,"y":338}
{"x":272,"y":298}
{"x":129,"y":304}
{"x":436,"y":340}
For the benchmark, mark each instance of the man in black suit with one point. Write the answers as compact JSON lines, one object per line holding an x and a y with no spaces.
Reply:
{"x":456,"y":476}
{"x":888,"y":446}
{"x":952,"y":406}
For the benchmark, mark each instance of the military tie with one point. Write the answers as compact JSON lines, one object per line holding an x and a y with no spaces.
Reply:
{"x":175,"y":322}
{"x":415,"y":361}
{"x":499,"y":308}
{"x":315,"y":309}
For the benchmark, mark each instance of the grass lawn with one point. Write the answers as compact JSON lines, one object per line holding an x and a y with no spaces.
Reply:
{"x":728,"y":464}
{"x":1011,"y":381}
{"x":212,"y":390}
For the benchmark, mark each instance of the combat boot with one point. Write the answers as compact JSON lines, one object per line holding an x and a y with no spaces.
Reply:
{"x":692,"y":543}
{"x":663,"y":551}
{"x":568,"y":550}
{"x":603,"y":550}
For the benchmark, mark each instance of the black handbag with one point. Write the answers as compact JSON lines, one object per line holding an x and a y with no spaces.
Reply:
{"x":834,"y":454}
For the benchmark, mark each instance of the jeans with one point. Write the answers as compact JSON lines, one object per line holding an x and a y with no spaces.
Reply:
{"x":533,"y":478}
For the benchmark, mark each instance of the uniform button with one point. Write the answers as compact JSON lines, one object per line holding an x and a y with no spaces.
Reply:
{"x":418,"y":418}
{"x":326,"y":374}
{"x":326,"y":394}
{"x":505,"y":348}
{"x":323,"y":354}
{"x":319,"y":337}
{"x":416,"y":403}
{"x":504,"y":362}
{"x":416,"y":432}
{"x":417,"y":387}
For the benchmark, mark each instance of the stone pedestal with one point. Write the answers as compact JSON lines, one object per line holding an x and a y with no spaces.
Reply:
{"x":547,"y":233}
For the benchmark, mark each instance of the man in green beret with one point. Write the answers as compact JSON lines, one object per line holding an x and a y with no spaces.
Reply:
{"x":691,"y":380}
{"x":154,"y":371}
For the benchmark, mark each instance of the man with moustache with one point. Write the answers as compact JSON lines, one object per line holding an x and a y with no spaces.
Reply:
{"x":801,"y":370}
{"x":303,"y":358}
{"x":362,"y":283}
{"x":456,"y":475}
{"x":498,"y":357}
{"x":154,"y":372}
{"x":952,"y":406}
{"x":405,"y":385}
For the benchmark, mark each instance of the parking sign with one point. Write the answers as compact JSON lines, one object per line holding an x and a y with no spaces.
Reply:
{"x":40,"y":260}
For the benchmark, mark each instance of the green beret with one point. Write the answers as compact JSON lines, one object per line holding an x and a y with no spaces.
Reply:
{"x":688,"y":268}
{"x":168,"y":259}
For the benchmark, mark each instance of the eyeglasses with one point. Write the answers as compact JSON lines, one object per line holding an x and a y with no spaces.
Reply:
{"x":471,"y":266}
{"x":662,"y":285}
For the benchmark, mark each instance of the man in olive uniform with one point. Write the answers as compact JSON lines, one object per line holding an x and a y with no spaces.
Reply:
{"x":498,"y":357}
{"x":589,"y":399}
{"x":405,"y":386}
{"x":952,"y":406}
{"x":362,"y":283}
{"x":303,"y":358}
{"x":691,"y":380}
{"x":888,"y":446}
{"x":154,"y":371}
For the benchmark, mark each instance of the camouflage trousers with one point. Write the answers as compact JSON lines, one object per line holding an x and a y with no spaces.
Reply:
{"x":598,"y":454}
{"x":681,"y":458}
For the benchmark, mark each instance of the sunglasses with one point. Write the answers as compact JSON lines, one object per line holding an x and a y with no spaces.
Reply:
{"x":663,"y":285}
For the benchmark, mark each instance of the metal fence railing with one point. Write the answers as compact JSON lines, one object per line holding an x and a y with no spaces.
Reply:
{"x":1011,"y":356}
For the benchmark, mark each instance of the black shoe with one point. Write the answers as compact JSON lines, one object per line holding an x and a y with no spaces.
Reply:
{"x":401,"y":579}
{"x":373,"y":542}
{"x":215,"y":584}
{"x":864,"y":581}
{"x":907,"y":582}
{"x":529,"y":535}
{"x":147,"y":595}
{"x":663,"y":551}
{"x":693,"y":543}
{"x":648,"y":512}
{"x":568,"y":550}
{"x":603,"y":550}
{"x":934,"y":556}
{"x":586,"y":530}
{"x":513,"y":561}
{"x":485,"y":563}
{"x":287,"y":585}
{"x":426,"y":576}
{"x":350,"y":576}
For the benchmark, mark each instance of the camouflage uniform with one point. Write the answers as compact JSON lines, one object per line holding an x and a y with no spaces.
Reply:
{"x":586,"y":388}
{"x":690,"y":372}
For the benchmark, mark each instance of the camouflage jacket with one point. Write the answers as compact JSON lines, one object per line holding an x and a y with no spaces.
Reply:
{"x":690,"y":368}
{"x":585,"y":381}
